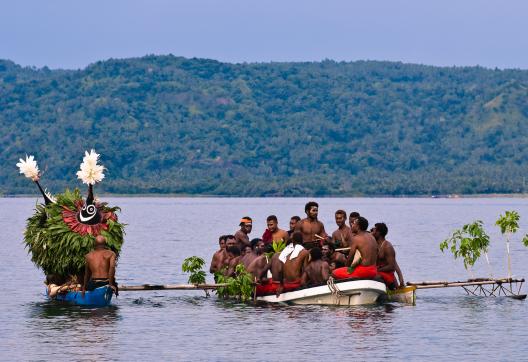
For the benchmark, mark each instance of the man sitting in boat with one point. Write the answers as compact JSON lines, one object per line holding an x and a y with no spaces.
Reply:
{"x":273,"y":232}
{"x":260,"y":266}
{"x":367,"y":246}
{"x":250,"y":253}
{"x":233,"y":259}
{"x":334,"y":259}
{"x":341,"y":236}
{"x":294,"y":220}
{"x":317,"y":271}
{"x":218,"y":257}
{"x":386,"y":263}
{"x":241,"y":236}
{"x":311,"y":229}
{"x":100,"y":267}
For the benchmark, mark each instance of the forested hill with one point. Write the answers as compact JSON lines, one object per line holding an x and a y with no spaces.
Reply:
{"x":166,"y":124}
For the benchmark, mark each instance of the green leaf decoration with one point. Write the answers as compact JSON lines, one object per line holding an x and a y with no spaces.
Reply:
{"x":54,"y":247}
{"x":239,"y":287}
{"x":194,"y":266}
{"x":509,"y":222}
{"x":467,"y":243}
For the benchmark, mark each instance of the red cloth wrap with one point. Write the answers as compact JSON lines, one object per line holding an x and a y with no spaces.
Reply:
{"x":361,"y":271}
{"x":270,"y":287}
{"x":267,"y":237}
{"x":388,"y":277}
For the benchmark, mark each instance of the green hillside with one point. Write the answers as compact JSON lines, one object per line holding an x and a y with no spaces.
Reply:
{"x":166,"y":124}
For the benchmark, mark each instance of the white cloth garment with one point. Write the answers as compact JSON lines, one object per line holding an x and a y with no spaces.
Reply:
{"x":290,"y":251}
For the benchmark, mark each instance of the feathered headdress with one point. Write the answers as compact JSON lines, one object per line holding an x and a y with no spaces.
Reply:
{"x":90,"y":172}
{"x":29,"y":168}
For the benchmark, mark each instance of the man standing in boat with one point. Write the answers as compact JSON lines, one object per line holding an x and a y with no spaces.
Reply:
{"x":241,"y":236}
{"x":341,"y":237}
{"x":387,"y":264}
{"x":367,"y":246}
{"x":311,"y":229}
{"x":100,"y":267}
{"x":353,"y":216}
{"x":273,"y":232}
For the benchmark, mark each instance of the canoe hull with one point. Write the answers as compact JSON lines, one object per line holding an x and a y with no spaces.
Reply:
{"x":99,"y":297}
{"x":347,"y":293}
{"x":406,"y":295}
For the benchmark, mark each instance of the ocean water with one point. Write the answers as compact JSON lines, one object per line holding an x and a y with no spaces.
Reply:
{"x":187,"y":325}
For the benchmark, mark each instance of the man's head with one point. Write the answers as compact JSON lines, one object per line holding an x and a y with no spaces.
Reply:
{"x":328,"y":249}
{"x":233,"y":250}
{"x":311,"y":209}
{"x":272,"y":223}
{"x":315,"y":253}
{"x":297,"y":238}
{"x":246,"y":224}
{"x":100,"y":241}
{"x":230,"y":241}
{"x":353,"y":216}
{"x":340,"y":217}
{"x":246,"y":250}
{"x":260,"y":247}
{"x":360,"y":224}
{"x":293,"y":222}
{"x":222,"y":241}
{"x":380,"y":230}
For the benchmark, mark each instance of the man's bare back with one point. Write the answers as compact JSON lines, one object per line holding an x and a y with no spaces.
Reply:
{"x":316,"y":272}
{"x":100,"y":265}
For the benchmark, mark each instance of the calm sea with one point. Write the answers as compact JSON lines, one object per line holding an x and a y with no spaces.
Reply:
{"x":185,"y":325}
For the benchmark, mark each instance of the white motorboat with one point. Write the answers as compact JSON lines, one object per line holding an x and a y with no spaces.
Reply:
{"x":335,"y":292}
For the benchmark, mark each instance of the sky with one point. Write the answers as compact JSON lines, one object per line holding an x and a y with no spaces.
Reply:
{"x":72,"y":34}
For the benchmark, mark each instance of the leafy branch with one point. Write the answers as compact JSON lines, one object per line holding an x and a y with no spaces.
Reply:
{"x":194,"y":266}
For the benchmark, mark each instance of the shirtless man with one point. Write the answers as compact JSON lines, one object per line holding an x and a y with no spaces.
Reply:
{"x":218,"y":257}
{"x":334,"y":260}
{"x":341,"y":237}
{"x":353,"y":216}
{"x":100,"y":267}
{"x":273,"y":233}
{"x":260,"y":265}
{"x":250,"y":254}
{"x":241,"y":236}
{"x":233,"y":255}
{"x":387,"y":264}
{"x":367,"y":246}
{"x":311,"y":229}
{"x":293,"y":223}
{"x":294,"y":261}
{"x":317,"y":271}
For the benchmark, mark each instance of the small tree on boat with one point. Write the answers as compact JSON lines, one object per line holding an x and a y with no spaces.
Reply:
{"x":509,"y":224}
{"x":468,"y":243}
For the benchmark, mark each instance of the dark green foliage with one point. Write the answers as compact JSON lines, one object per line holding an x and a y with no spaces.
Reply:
{"x":54,"y":247}
{"x":194,"y":266}
{"x":467,"y":243}
{"x":166,"y":124}
{"x":240,"y":287}
{"x":509,"y":222}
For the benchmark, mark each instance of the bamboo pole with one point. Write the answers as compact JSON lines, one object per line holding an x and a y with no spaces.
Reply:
{"x":131,"y":288}
{"x":436,"y":284}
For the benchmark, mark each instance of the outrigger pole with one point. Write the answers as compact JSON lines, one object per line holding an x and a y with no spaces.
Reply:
{"x":206,"y":287}
{"x":508,"y":287}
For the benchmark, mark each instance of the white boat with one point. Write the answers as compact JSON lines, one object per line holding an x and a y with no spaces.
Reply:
{"x":342,"y":293}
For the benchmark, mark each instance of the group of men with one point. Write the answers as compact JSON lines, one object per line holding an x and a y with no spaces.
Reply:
{"x":311,"y":256}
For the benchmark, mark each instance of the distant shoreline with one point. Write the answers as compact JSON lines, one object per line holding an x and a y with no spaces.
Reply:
{"x":450,"y":196}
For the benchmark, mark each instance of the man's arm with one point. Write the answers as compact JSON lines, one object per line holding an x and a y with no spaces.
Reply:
{"x":214,"y":264}
{"x":400,"y":275}
{"x":325,"y":272}
{"x":304,"y":278}
{"x":351,"y":254}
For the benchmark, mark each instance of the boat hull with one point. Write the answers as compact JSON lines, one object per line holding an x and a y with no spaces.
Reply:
{"x":346,"y":293}
{"x":99,"y":297}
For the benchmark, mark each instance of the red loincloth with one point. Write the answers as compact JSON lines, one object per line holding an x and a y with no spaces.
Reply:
{"x":267,"y":237}
{"x":270,"y":287}
{"x":388,"y":277}
{"x":361,"y":271}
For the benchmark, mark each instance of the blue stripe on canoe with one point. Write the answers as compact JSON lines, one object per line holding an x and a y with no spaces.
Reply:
{"x":99,"y":297}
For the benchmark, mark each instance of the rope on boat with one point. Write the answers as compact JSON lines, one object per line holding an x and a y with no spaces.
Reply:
{"x":335,"y":290}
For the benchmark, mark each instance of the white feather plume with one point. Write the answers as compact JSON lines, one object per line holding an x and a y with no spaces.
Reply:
{"x":90,"y":172}
{"x":29,"y":167}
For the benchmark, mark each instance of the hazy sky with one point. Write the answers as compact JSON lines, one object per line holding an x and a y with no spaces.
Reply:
{"x":72,"y":34}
